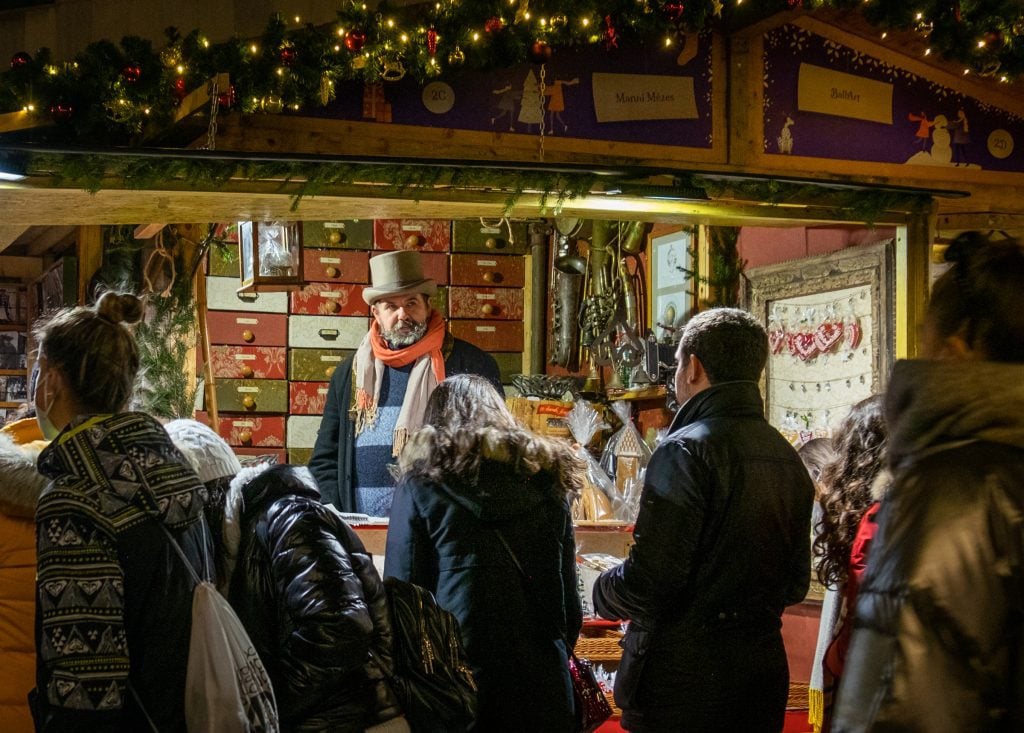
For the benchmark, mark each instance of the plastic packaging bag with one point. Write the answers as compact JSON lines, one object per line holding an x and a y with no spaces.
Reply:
{"x":595,"y":501}
{"x":625,"y":459}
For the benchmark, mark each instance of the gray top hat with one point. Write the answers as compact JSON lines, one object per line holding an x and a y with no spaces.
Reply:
{"x":397,"y":273}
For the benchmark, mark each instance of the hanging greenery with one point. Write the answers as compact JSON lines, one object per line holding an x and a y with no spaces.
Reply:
{"x":115,"y":93}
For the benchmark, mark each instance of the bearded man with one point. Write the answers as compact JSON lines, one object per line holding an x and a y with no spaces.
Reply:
{"x":377,"y":397}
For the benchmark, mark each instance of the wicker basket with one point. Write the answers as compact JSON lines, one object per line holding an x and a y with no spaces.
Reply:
{"x":610,"y":697}
{"x":602,"y":647}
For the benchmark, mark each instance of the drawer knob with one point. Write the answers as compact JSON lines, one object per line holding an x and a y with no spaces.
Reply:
{"x":246,"y":371}
{"x":332,"y":306}
{"x":248,"y":402}
{"x":488,"y":310}
{"x":415,"y":240}
{"x":333,"y":271}
{"x":492,"y":277}
{"x":248,"y":336}
{"x":491,"y":243}
{"x":336,"y":237}
{"x":329,"y":371}
{"x":245,"y":437}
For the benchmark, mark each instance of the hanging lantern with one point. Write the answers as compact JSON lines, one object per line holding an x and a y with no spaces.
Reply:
{"x":131,"y":73}
{"x":270,"y":255}
{"x":20,"y":60}
{"x":355,"y":40}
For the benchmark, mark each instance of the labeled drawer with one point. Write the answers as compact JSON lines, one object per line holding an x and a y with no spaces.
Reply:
{"x":250,"y":456}
{"x":481,"y":270}
{"x":426,"y":235}
{"x":471,"y":236}
{"x":252,"y":329}
{"x":490,"y":335}
{"x":224,"y":261}
{"x":302,"y":430}
{"x":440,"y":302}
{"x":222,"y":294}
{"x":503,"y":303}
{"x":299,"y":456}
{"x":307,"y":398}
{"x":340,"y":234}
{"x":251,"y":431}
{"x":326,"y":332}
{"x":252,"y":395}
{"x":248,"y":362}
{"x":435,"y":266}
{"x":312,"y":365}
{"x":327,"y":265}
{"x":508,"y":364}
{"x":338,"y":299}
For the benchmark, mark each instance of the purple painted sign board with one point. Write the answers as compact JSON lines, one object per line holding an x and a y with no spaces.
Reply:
{"x":493,"y":101}
{"x":930,"y":124}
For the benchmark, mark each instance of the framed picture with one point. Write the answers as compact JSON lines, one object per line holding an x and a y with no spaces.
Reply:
{"x":672,"y":287}
{"x":12,"y":304}
{"x":830,"y":340}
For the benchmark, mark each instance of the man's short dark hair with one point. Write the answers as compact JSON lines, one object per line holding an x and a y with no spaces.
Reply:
{"x":729,"y":342}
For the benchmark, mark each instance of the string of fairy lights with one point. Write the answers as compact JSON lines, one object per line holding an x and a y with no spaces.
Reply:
{"x":113,"y":92}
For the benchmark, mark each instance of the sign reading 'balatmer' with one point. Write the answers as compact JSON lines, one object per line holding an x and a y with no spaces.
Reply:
{"x":631,"y":97}
{"x":844,"y":95}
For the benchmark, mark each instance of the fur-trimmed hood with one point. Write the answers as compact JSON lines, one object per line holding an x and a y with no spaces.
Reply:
{"x":496,"y":494}
{"x":21,"y":483}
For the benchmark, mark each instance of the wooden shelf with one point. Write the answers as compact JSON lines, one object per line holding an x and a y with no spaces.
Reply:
{"x":13,"y":372}
{"x":12,"y":404}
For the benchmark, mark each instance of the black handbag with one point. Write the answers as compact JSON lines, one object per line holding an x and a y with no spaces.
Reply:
{"x":591,"y":705}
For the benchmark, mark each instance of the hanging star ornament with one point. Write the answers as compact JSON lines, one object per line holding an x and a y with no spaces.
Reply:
{"x":716,"y":8}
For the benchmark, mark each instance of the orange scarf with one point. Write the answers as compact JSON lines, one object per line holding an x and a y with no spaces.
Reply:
{"x":373,"y":356}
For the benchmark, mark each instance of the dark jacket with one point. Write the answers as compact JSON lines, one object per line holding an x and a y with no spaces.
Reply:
{"x":114,"y":600}
{"x":307,"y":592}
{"x":721,"y":548}
{"x":938,"y":638}
{"x":442,"y":537}
{"x":333,"y":459}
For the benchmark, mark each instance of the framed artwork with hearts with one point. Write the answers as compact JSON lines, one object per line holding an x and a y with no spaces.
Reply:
{"x":830,"y":335}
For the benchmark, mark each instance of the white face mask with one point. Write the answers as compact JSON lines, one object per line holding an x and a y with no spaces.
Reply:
{"x":49,"y":430}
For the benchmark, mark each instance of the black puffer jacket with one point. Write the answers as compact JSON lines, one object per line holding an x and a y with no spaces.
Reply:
{"x":938,"y":641}
{"x":722,"y":547}
{"x":308,"y":594}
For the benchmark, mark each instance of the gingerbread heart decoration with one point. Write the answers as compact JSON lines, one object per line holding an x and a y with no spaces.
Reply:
{"x":776,"y":340}
{"x":804,"y":345}
{"x":828,"y":335}
{"x":853,"y":335}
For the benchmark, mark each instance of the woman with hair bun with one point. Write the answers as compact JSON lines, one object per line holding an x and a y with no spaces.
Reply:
{"x":113,"y":598}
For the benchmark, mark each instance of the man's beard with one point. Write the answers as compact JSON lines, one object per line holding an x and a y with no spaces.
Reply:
{"x":404,"y":333}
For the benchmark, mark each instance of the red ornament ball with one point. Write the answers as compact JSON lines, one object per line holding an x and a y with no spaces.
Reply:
{"x":226,"y":99}
{"x":20,"y":60}
{"x":61,"y":111}
{"x":355,"y":40}
{"x":674,"y":11}
{"x":493,"y":25}
{"x":131,"y":73}
{"x":288,"y":55}
{"x":540,"y":52}
{"x":179,"y":89}
{"x":994,"y":39}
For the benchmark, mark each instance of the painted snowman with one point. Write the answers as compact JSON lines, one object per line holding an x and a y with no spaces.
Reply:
{"x":941,"y":151}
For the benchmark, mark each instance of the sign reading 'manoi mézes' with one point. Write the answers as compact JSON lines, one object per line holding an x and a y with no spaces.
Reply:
{"x":624,"y":97}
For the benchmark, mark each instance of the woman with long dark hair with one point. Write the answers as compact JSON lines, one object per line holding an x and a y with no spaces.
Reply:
{"x":471,"y":481}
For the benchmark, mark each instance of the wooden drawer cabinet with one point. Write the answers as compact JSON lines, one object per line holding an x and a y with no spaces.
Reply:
{"x":341,"y":234}
{"x":302,"y":430}
{"x":503,"y":303}
{"x":252,"y":329}
{"x":248,"y":362}
{"x":222,"y":294}
{"x":490,"y":335}
{"x":339,"y":299}
{"x":252,"y":395}
{"x":251,"y":431}
{"x":331,"y":265}
{"x":483,"y":271}
{"x":425,"y":235}
{"x":472,"y":236}
{"x":307,"y":398}
{"x":326,"y":332}
{"x":435,"y":266}
{"x":313,"y":365}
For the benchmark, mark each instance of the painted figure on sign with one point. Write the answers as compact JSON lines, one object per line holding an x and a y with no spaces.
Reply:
{"x":785,"y":139}
{"x":924,"y":129}
{"x":961,"y":136}
{"x":556,"y":101}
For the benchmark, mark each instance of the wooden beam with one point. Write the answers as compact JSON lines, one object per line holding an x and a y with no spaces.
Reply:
{"x":200,"y":97}
{"x":90,"y":257}
{"x":9,"y":233}
{"x":49,"y":238}
{"x":983,"y":220}
{"x":147,"y":231}
{"x":12,"y":121}
{"x":20,"y":268}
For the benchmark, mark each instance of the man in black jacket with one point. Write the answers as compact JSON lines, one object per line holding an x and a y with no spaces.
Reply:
{"x":721,"y":548}
{"x":377,"y":397}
